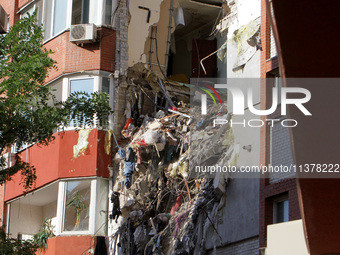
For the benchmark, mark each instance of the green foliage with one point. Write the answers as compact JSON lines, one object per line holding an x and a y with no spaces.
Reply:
{"x":46,"y":232}
{"x":11,"y":246}
{"x":30,"y":113}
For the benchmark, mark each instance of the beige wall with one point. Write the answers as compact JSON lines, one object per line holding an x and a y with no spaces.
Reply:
{"x":139,"y":32}
{"x":286,"y":238}
{"x":25,"y":219}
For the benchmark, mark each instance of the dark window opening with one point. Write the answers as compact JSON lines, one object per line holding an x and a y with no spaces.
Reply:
{"x":281,"y":210}
{"x":80,"y":11}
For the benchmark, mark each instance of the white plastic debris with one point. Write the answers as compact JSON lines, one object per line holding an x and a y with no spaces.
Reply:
{"x":151,"y":137}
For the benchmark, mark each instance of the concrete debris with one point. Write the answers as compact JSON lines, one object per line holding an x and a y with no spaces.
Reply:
{"x":168,"y":207}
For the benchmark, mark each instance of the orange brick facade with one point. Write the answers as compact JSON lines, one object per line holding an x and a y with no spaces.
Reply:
{"x":71,"y":58}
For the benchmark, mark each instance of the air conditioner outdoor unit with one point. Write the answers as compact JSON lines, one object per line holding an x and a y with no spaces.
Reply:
{"x":83,"y":33}
{"x":9,"y":160}
{"x":3,"y":21}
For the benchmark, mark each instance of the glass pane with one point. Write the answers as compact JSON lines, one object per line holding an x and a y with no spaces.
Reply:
{"x":80,"y":85}
{"x":85,"y":12}
{"x":83,"y":85}
{"x":47,"y":24}
{"x":39,"y":6}
{"x":76,"y":12}
{"x":60,"y":11}
{"x":282,"y":210}
{"x":28,"y":11}
{"x":106,"y":85}
{"x":102,"y":205}
{"x":77,"y":206}
{"x":80,"y":11}
{"x":108,"y":10}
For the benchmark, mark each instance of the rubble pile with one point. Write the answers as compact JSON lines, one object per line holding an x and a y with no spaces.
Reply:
{"x":161,"y":204}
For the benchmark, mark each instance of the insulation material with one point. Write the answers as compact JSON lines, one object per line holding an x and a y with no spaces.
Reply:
{"x":151,"y":137}
{"x":246,"y":39}
{"x":179,"y":17}
{"x":80,"y":148}
{"x":107,"y":142}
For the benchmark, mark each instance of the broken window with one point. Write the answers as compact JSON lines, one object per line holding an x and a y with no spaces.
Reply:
{"x":80,"y":11}
{"x":77,"y":205}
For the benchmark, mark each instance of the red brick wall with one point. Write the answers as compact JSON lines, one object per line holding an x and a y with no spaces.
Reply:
{"x":22,"y":3}
{"x":288,"y":186}
{"x":107,"y":49}
{"x":11,"y":8}
{"x":91,"y":56}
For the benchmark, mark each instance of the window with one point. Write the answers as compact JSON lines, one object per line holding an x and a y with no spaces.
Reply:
{"x":38,"y":5}
{"x":80,"y":204}
{"x":59,"y":16}
{"x":281,"y":209}
{"x":26,"y":214}
{"x":80,"y":11}
{"x":74,"y":207}
{"x":106,"y":85}
{"x":88,"y":84}
{"x":108,"y":11}
{"x":77,"y":205}
{"x":52,"y":14}
{"x":81,"y":85}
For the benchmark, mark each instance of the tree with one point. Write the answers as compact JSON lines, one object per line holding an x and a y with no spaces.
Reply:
{"x":11,"y":246}
{"x":29,"y":111}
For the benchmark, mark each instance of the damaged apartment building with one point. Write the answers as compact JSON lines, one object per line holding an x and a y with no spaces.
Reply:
{"x":135,"y":180}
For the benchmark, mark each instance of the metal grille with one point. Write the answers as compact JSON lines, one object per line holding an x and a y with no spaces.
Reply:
{"x":78,"y":32}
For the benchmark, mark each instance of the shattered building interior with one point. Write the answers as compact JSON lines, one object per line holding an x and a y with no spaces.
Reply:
{"x":159,"y":205}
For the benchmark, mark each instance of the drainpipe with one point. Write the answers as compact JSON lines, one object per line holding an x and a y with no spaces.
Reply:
{"x":169,"y":35}
{"x":153,"y":37}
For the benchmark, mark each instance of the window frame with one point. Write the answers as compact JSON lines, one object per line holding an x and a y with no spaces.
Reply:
{"x":93,"y":213}
{"x":62,"y":206}
{"x":97,"y":87}
{"x":275,"y":208}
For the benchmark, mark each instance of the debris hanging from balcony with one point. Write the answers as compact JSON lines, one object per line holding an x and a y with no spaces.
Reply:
{"x":166,"y":206}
